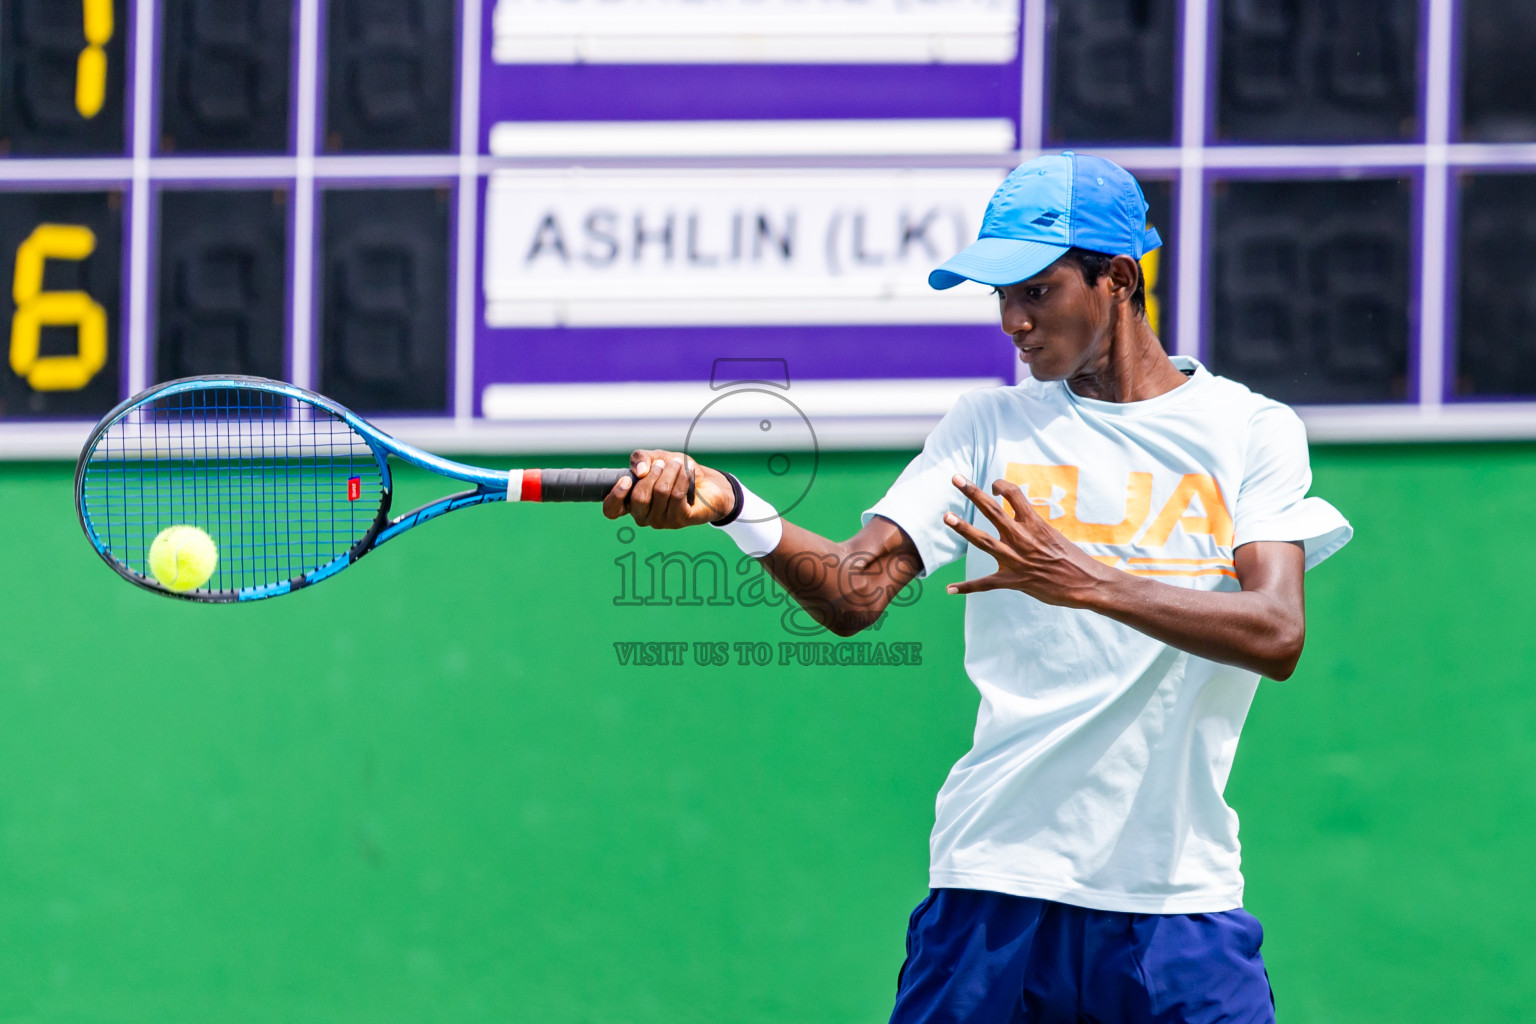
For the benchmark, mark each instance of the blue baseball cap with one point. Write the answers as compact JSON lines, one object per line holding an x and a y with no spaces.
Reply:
{"x":1045,"y":207}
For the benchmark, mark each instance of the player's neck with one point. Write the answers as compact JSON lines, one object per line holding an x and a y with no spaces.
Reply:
{"x":1135,"y":368}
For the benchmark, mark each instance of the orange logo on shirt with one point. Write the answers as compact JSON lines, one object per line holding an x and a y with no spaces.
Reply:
{"x":1196,"y":506}
{"x":1052,"y":492}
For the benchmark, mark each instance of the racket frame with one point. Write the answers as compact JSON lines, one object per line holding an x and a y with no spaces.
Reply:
{"x":489,"y":484}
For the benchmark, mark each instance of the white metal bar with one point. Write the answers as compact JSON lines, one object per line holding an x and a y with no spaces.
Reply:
{"x":402,"y":165}
{"x":223,"y":168}
{"x":302,"y":371}
{"x":1382,"y":157}
{"x":904,"y":429}
{"x":1191,"y":240}
{"x":1480,"y":422}
{"x":1032,"y":111}
{"x":469,"y":203}
{"x":1432,"y":254}
{"x":138,"y":354}
{"x":1510,"y":154}
{"x":1386,"y":156}
{"x":24,"y":170}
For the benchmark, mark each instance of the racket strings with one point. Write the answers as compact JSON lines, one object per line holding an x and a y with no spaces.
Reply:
{"x":282,"y":486}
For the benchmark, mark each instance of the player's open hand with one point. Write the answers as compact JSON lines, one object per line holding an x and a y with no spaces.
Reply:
{"x":1032,"y":556}
{"x":659,"y":495}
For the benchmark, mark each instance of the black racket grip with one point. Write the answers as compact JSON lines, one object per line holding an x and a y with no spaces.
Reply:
{"x":585,"y":484}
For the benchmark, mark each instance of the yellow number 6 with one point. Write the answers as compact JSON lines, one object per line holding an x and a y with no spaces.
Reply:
{"x":91,"y":68}
{"x":36,"y":309}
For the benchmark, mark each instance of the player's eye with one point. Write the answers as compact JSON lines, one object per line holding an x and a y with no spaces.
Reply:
{"x":998,"y":292}
{"x":1036,"y":293}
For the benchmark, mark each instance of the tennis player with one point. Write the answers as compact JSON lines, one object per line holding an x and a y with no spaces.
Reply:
{"x":1142,"y":570}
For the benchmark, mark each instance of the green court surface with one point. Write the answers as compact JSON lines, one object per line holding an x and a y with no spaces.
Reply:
{"x":428,"y":791}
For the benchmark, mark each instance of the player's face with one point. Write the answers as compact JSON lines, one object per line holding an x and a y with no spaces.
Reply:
{"x":1058,"y":321}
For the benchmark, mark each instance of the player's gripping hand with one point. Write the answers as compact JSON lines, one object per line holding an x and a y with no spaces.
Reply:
{"x":659,"y":496}
{"x":1032,"y":555}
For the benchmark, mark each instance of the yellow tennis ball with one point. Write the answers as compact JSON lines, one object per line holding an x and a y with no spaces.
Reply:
{"x":182,"y":558}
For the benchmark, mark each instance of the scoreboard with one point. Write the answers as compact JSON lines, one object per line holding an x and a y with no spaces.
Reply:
{"x":519,"y":225}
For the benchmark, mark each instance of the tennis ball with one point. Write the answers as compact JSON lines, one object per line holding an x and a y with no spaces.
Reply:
{"x":182,"y":558}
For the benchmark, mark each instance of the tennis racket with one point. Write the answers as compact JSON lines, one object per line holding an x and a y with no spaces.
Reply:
{"x":291,"y":486}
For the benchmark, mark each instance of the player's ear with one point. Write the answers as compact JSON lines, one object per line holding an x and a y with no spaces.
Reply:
{"x":1124,"y":275}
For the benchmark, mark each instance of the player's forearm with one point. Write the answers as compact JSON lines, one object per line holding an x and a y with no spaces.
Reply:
{"x":839,"y":585}
{"x":844,"y":586}
{"x":1251,"y":629}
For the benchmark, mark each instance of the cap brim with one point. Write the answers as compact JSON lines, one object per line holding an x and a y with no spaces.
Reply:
{"x":996,"y":261}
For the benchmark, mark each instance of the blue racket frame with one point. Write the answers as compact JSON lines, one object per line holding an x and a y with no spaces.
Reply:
{"x":489,"y":484}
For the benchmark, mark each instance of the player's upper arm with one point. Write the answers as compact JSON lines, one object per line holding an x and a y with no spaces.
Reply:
{"x":1272,"y":567}
{"x":1276,"y":570}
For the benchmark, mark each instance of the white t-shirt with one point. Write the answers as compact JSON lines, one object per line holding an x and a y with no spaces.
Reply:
{"x":1100,"y":754}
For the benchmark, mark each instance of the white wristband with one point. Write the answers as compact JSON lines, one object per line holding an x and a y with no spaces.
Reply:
{"x":756,"y":527}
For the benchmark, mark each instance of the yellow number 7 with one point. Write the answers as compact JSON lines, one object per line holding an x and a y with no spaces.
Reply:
{"x":36,"y":309}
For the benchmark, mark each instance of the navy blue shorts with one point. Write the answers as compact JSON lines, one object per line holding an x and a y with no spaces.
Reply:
{"x":989,"y":958}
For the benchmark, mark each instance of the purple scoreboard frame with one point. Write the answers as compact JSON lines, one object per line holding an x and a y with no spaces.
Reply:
{"x":489,"y":93}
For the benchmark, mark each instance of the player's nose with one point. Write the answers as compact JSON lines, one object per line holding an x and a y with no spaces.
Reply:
{"x":1017,"y":325}
{"x":1015,"y":322}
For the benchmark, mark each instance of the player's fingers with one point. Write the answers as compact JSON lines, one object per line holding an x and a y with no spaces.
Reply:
{"x":663,"y":503}
{"x":682,"y":487}
{"x":642,"y":494}
{"x":646,"y":465}
{"x":616,"y":502}
{"x":976,"y":586}
{"x":680,"y":492}
{"x":988,"y":543}
{"x":691,"y":492}
{"x":985,"y":504}
{"x":643,"y":460}
{"x":971,"y":491}
{"x":639,"y":508}
{"x":1016,"y":499}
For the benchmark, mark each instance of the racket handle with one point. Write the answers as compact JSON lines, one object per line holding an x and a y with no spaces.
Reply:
{"x":575,"y":484}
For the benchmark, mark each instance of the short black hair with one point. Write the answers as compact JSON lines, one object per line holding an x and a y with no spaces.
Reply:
{"x":1095,"y":265}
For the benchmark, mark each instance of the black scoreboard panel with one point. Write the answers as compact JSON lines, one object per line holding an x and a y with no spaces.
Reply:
{"x":384,"y":298}
{"x":1112,"y":70}
{"x":1499,"y":94}
{"x":1496,"y":335}
{"x":224,"y":72}
{"x":62,"y":253}
{"x":389,"y":76}
{"x":222,"y":283}
{"x":1317,"y":70}
{"x":1310,"y":288}
{"x":62,"y":77}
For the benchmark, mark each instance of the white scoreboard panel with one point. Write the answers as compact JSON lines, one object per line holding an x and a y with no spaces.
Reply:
{"x":518,"y":225}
